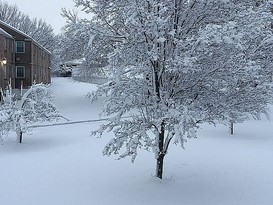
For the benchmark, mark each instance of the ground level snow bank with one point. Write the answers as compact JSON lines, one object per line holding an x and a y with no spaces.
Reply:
{"x":62,"y":165}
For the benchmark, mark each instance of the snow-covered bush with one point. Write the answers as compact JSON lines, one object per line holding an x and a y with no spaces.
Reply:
{"x":35,"y":106}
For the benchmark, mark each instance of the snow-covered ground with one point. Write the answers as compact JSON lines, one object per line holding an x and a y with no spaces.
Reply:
{"x":63,"y":165}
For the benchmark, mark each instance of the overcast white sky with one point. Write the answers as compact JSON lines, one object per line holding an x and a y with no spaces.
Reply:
{"x":49,"y":10}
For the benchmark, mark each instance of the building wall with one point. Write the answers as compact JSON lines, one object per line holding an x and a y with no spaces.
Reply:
{"x":35,"y":59}
{"x":24,"y":59}
{"x":6,"y":71}
{"x":40,"y":65}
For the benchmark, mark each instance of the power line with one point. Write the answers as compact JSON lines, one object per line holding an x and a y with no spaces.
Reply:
{"x":68,"y":123}
{"x":73,"y":122}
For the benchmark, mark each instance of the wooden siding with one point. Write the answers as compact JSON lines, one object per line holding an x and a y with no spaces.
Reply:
{"x":35,"y":59}
{"x":6,"y":71}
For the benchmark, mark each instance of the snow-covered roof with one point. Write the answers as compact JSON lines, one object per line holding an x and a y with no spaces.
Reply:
{"x":24,"y":34}
{"x":4,"y":33}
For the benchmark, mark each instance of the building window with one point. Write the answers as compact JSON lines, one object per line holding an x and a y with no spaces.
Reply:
{"x":20,"y":72}
{"x":20,"y":46}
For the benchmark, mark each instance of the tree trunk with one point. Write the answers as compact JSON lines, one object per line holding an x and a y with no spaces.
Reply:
{"x":20,"y":136}
{"x":159,"y":166}
{"x":231,"y":126}
{"x":161,"y":154}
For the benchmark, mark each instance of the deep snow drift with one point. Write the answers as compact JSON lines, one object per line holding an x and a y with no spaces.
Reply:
{"x":63,"y":165}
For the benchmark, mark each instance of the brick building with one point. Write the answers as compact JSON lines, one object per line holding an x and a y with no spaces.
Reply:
{"x":23,"y":60}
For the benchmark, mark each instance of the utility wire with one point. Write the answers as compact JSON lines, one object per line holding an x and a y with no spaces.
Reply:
{"x":73,"y":122}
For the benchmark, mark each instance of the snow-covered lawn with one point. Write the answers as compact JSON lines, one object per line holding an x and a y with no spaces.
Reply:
{"x":63,"y":165}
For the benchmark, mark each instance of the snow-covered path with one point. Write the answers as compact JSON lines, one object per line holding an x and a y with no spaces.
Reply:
{"x":70,"y":100}
{"x":62,"y":165}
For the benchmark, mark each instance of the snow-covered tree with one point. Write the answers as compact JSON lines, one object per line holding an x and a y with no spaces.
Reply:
{"x":80,"y":41}
{"x":9,"y":13}
{"x":35,"y":106}
{"x":74,"y":37}
{"x":178,"y":63}
{"x":5,"y":111}
{"x":244,"y":43}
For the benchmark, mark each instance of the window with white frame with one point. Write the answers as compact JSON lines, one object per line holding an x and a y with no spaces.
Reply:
{"x":20,"y":46}
{"x":20,"y":71}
